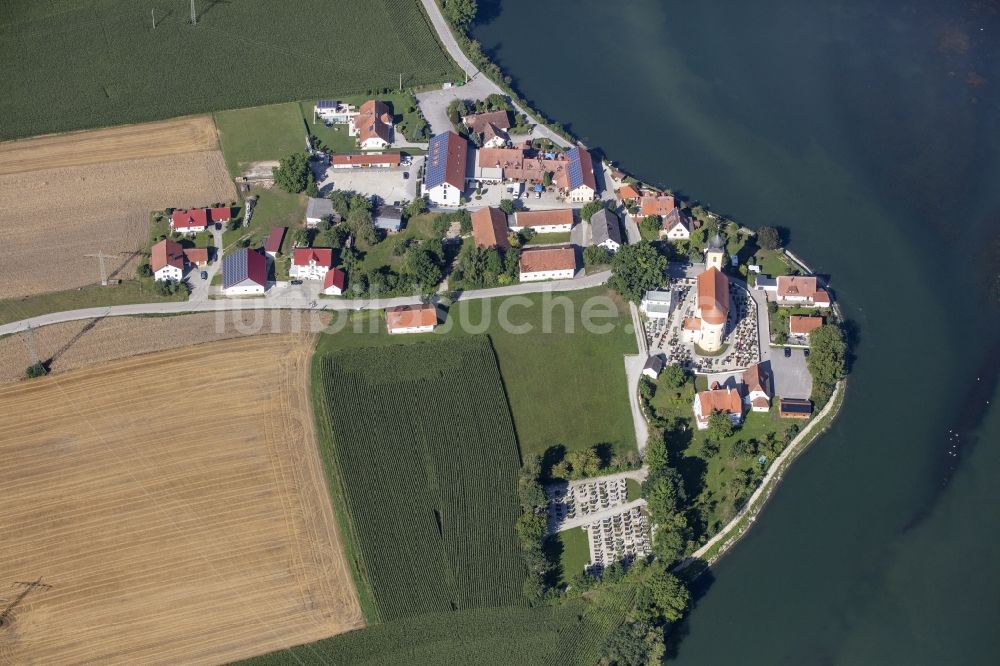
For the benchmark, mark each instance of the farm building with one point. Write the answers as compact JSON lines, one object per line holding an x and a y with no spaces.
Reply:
{"x":272,"y":245}
{"x":389,"y":219}
{"x":605,"y":230}
{"x":333,"y":111}
{"x":244,"y":272}
{"x":581,"y":182}
{"x":543,"y":221}
{"x":334,"y":282}
{"x":189,"y":221}
{"x":411,"y":318}
{"x":166,"y":260}
{"x":547,"y":263}
{"x":196,"y":256}
{"x":372,"y":126}
{"x":311,"y":263}
{"x":318,"y":210}
{"x":789,"y":408}
{"x":489,"y":228}
{"x":724,"y":400}
{"x":444,"y":170}
{"x":365,"y":161}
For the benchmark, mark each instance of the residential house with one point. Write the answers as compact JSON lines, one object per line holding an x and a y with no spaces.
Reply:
{"x":196,"y":256}
{"x":389,"y":219}
{"x":801,"y":326}
{"x":801,"y":290}
{"x":311,"y":263}
{"x":581,"y":182}
{"x":272,"y":244}
{"x":758,"y":388}
{"x":723,"y":400}
{"x":793,"y":408}
{"x":220,"y":214}
{"x":543,"y":221}
{"x":653,"y":367}
{"x":333,"y":283}
{"x":318,"y":210}
{"x":166,"y":260}
{"x":655,"y":203}
{"x":765,"y":283}
{"x":605,"y":230}
{"x":372,"y":126}
{"x":365,"y":161}
{"x":656,"y":304}
{"x":411,"y":318}
{"x":489,"y":228}
{"x":444,"y":169}
{"x":676,"y":226}
{"x":494,"y":165}
{"x":491,"y":127}
{"x":244,"y":272}
{"x":333,"y":111}
{"x":628,"y":193}
{"x":190,"y":221}
{"x":547,"y":263}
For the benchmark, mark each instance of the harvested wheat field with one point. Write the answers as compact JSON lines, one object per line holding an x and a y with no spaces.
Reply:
{"x":175,"y":508}
{"x":77,"y":344}
{"x":170,"y":137}
{"x":53,"y":218}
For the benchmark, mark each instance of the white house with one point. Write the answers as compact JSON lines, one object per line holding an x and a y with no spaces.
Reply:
{"x":335,"y":112}
{"x":444,"y":169}
{"x":411,"y":318}
{"x":758,"y":388}
{"x":605,"y":230}
{"x":333,"y":283}
{"x":189,"y":221}
{"x":310,"y":263}
{"x":547,"y":263}
{"x":653,"y":367}
{"x":801,"y":290}
{"x":543,"y":221}
{"x":244,"y":273}
{"x":318,"y":210}
{"x":372,"y":126}
{"x":723,"y":400}
{"x":166,"y":260}
{"x":581,"y":183}
{"x":656,"y":304}
{"x":676,"y":226}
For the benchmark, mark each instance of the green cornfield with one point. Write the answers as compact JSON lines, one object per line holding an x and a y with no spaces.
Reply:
{"x":72,"y":64}
{"x":424,"y":451}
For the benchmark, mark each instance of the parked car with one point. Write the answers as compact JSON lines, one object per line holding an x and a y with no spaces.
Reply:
{"x":296,"y":282}
{"x":204,"y":275}
{"x":406,"y":174}
{"x":788,"y":352}
{"x":805,"y":352}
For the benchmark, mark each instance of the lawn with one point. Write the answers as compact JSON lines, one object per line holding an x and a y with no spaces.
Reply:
{"x":633,"y":490}
{"x":336,"y":137}
{"x":139,"y":290}
{"x":274,"y":208}
{"x":570,"y":547}
{"x":260,"y":133}
{"x":778,"y":320}
{"x":548,"y":239}
{"x":566,"y":385}
{"x":106,"y":57}
{"x":379,"y":255}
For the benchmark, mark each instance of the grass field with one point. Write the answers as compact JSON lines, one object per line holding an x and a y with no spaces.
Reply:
{"x":571,"y":549}
{"x":139,"y":290}
{"x":105,"y":56}
{"x":548,"y":239}
{"x":169,"y":536}
{"x":566,"y":387}
{"x":275,"y":208}
{"x":421,"y":445}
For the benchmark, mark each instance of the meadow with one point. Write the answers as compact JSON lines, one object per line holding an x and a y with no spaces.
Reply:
{"x":420,"y":442}
{"x":72,"y":64}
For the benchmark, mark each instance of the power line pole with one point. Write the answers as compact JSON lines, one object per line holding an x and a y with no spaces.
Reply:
{"x":194,"y":14}
{"x":400,"y":83}
{"x":104,"y":270}
{"x":152,"y":12}
{"x":29,"y":340}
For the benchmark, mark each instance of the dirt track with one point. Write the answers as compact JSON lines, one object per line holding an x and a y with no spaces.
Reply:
{"x":127,"y":142}
{"x":176,"y":506}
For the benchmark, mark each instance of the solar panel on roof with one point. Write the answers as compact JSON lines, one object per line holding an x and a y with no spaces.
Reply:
{"x":437,"y":160}
{"x":234,"y":268}
{"x":575,"y":171}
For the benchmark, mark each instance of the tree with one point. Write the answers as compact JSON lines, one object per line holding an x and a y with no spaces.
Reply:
{"x":634,"y":643}
{"x":668,"y":544}
{"x":293,"y":173}
{"x":651,"y":225}
{"x":584,"y":463}
{"x":36,"y":370}
{"x":514,"y":239}
{"x":720,"y":425}
{"x":827,"y":360}
{"x":595,"y":255}
{"x":547,"y":179}
{"x":341,"y":201}
{"x":311,"y":189}
{"x":422,"y":265}
{"x":507,"y":206}
{"x":637,"y":269}
{"x":768,"y":238}
{"x":144,"y":270}
{"x":590,"y":208}
{"x":531,"y":527}
{"x":529,"y":490}
{"x":741,"y":449}
{"x":416,"y":207}
{"x":670,"y":598}
{"x":656,"y":455}
{"x":674,"y":376}
{"x":664,"y":494}
{"x":527,"y":235}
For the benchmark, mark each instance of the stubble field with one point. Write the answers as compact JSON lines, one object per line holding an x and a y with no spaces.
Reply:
{"x":176,"y":506}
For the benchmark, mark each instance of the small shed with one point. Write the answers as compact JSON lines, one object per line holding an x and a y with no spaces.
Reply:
{"x":653,"y":367}
{"x":318,"y":210}
{"x":273,"y":243}
{"x":389,"y":219}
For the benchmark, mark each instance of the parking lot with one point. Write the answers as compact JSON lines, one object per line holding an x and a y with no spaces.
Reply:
{"x":791,"y":375}
{"x":388,"y":184}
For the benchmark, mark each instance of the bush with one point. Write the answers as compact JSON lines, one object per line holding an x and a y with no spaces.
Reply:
{"x":595,"y":255}
{"x":768,"y":238}
{"x":36,"y":370}
{"x":293,"y":173}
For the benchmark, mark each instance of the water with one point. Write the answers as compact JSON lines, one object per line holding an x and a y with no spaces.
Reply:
{"x":870,"y":131}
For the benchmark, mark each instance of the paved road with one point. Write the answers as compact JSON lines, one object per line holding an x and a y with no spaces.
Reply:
{"x":294,"y":299}
{"x":434,"y":103}
{"x":580,"y":521}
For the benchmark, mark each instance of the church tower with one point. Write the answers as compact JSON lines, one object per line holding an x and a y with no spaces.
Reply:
{"x":715,"y":252}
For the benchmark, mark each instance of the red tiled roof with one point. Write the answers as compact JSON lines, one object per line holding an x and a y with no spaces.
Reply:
{"x":628,"y":192}
{"x":454,"y":155}
{"x":392,"y":159}
{"x":335,"y":278}
{"x":195,"y":217}
{"x":713,"y":296}
{"x":489,"y":228}
{"x":274,"y":238}
{"x":323,"y":256}
{"x":656,"y":204}
{"x":196,"y":255}
{"x":166,"y":253}
{"x":727,"y":401}
{"x":220,"y":214}
{"x":543,"y":218}
{"x":545,"y":259}
{"x":479,"y":122}
{"x":756,"y":379}
{"x":411,"y":316}
{"x":803,"y":324}
{"x":516,"y":165}
{"x":373,"y":120}
{"x":796,"y":286}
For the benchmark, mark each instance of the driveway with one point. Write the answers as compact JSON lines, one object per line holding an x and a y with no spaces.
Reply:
{"x":791,"y":375}
{"x":388,"y":184}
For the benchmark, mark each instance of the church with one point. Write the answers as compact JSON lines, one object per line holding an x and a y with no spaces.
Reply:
{"x":709,"y":328}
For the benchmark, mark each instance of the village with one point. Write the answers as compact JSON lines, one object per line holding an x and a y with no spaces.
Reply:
{"x":738,"y":323}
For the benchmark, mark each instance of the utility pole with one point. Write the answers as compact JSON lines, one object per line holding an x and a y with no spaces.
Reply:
{"x":400,"y":83}
{"x":29,"y":340}
{"x":152,"y":13}
{"x":194,"y":14}
{"x":104,"y":270}
{"x":28,"y":588}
